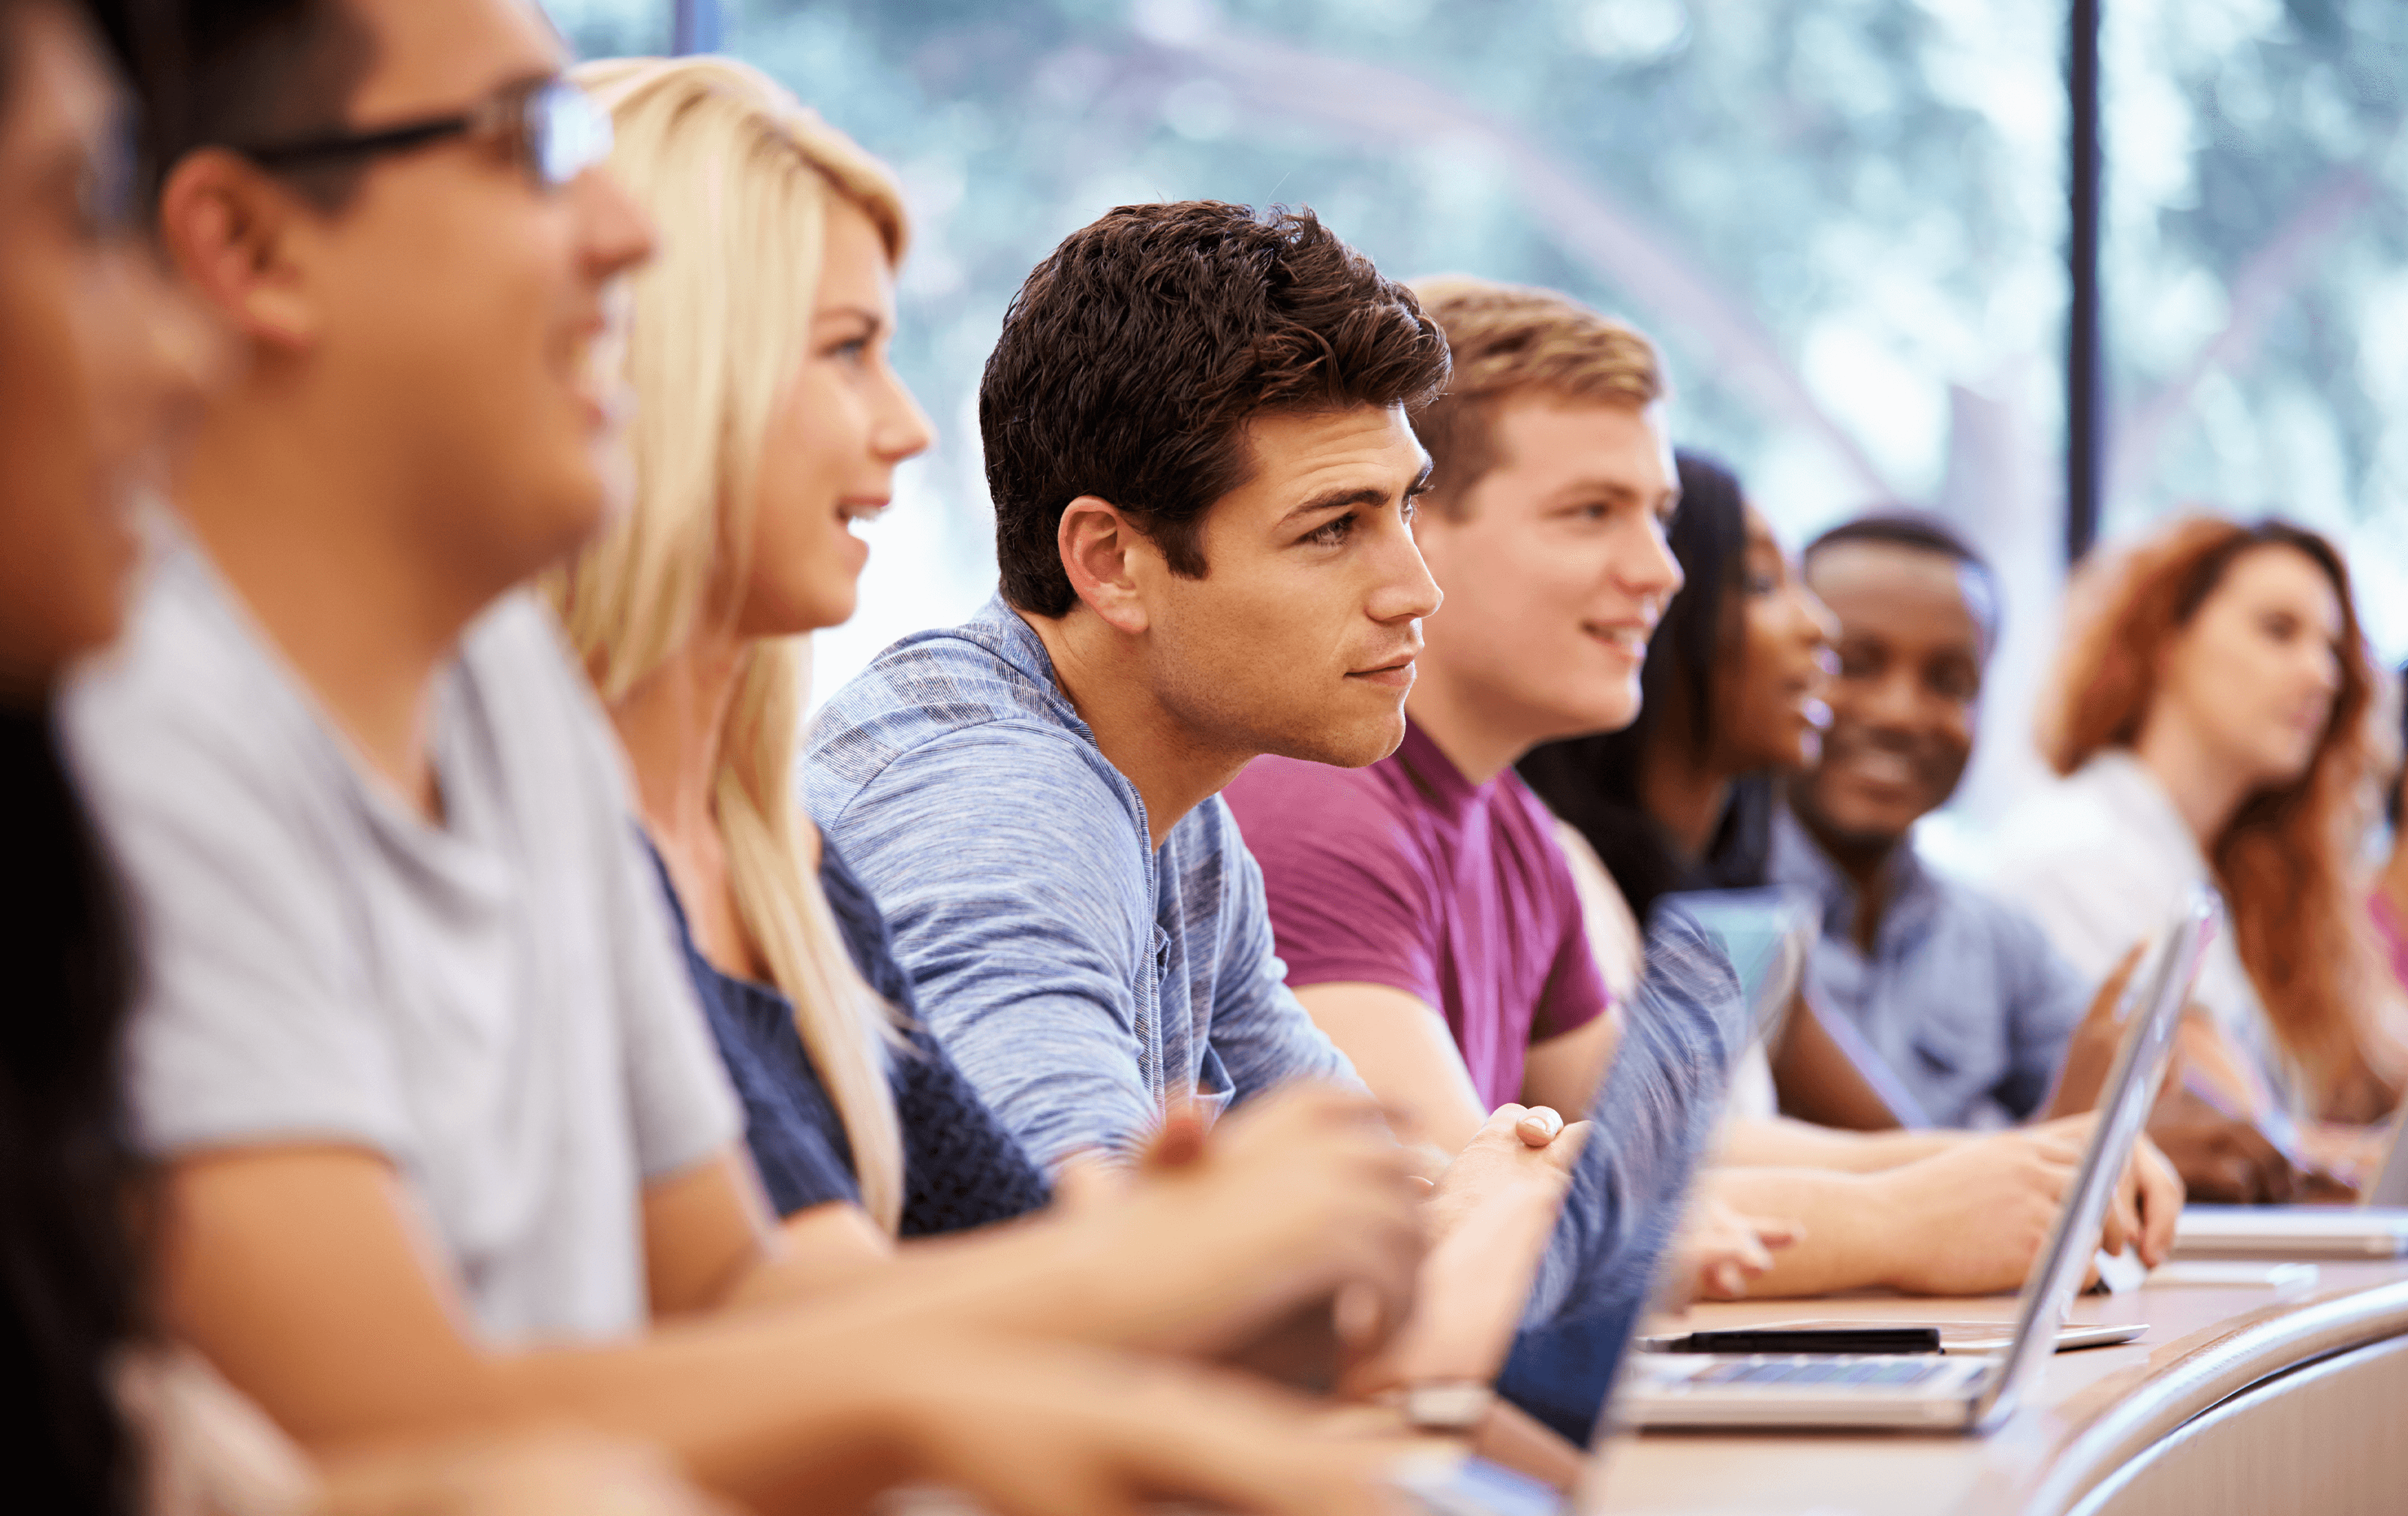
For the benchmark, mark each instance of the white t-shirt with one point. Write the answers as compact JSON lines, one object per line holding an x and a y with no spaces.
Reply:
{"x":495,"y":1003}
{"x":2102,"y":859}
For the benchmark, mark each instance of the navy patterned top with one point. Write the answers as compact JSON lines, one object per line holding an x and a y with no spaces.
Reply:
{"x":961,"y":1169}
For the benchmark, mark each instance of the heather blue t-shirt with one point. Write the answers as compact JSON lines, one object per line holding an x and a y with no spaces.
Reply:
{"x":1079,"y":977}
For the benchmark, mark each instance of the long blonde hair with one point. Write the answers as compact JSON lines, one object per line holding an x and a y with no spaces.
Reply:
{"x":740,"y":177}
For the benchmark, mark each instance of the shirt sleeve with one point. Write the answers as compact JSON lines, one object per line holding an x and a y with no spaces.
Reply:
{"x":1263,"y":1034}
{"x":255,"y":1025}
{"x":961,"y":1169}
{"x":1021,"y":933}
{"x":1576,"y":994}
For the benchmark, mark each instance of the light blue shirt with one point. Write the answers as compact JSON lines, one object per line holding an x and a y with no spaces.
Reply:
{"x":1079,"y":977}
{"x":1962,"y":993}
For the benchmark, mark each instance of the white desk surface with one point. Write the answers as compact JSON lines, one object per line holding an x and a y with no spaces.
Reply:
{"x":2095,"y":1410}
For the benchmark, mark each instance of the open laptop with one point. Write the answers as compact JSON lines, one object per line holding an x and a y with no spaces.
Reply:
{"x":1769,"y":936}
{"x":2375,"y":1228}
{"x":1950,"y":1392}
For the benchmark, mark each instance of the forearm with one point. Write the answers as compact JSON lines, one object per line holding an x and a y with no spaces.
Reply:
{"x":1784,"y":1142}
{"x":1848,"y":1239}
{"x":1086,"y":1278}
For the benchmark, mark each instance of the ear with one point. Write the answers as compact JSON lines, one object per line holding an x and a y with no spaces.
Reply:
{"x":1100,"y":553}
{"x":234,"y":232}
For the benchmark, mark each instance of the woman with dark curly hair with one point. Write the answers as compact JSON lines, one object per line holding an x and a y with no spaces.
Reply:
{"x":2209,"y":720}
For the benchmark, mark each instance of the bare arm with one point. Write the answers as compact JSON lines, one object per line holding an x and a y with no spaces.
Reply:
{"x":1783,"y":1142}
{"x":1403,"y":1051}
{"x":1564,"y":1072}
{"x":292,"y":1267}
{"x":1965,"y":1222}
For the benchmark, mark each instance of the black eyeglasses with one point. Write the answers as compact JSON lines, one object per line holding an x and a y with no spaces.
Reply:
{"x":553,"y":128}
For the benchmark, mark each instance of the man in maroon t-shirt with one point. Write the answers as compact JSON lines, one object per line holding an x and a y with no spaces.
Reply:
{"x":1426,"y":915}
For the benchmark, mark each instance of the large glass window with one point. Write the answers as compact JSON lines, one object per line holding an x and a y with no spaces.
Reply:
{"x":1844,"y":219}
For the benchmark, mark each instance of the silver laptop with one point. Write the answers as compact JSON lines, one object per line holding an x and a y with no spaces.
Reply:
{"x":2375,"y":1228}
{"x":1769,"y":936}
{"x":2328,"y":1234}
{"x":1936,"y":1392}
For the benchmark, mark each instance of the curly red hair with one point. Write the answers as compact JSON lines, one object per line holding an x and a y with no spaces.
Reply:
{"x":2284,"y":860}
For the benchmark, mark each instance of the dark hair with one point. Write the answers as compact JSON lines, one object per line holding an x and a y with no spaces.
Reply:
{"x":1905,"y":526}
{"x":1593,"y":781}
{"x":1134,"y":354}
{"x":237,"y":74}
{"x":71,"y":1285}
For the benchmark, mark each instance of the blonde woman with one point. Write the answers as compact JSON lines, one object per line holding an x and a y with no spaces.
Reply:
{"x":767,"y":421}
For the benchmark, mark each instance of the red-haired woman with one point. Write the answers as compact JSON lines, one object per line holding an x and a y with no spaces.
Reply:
{"x":2209,"y":717}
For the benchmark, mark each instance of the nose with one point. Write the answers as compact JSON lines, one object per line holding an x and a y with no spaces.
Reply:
{"x":1649,"y":569}
{"x":1406,"y":590}
{"x":614,"y":234}
{"x":902,"y":429}
{"x":2325,"y":668}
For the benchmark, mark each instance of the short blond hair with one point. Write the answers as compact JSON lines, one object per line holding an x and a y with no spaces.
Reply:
{"x":1510,"y":339}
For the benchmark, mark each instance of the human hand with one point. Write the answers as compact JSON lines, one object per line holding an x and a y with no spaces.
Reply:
{"x":1971,"y":1220}
{"x":1297,"y":1196}
{"x":2149,"y":1206}
{"x":2221,"y":1160}
{"x":1476,"y":1280}
{"x":1047,"y":1430}
{"x":1720,"y":1249}
{"x":1498,"y":1155}
{"x":2147,"y":1200}
{"x":2347,"y":1159}
{"x":2090,"y":1051}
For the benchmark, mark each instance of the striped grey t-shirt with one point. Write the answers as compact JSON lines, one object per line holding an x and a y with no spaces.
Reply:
{"x":1078,"y":976}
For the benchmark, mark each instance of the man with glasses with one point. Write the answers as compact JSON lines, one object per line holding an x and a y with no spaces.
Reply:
{"x":442,"y":1136}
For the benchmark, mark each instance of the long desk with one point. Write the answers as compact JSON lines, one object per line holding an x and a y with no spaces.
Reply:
{"x":2235,"y":1403}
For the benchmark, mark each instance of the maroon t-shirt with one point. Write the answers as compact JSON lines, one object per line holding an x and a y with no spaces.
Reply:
{"x":1406,"y":874}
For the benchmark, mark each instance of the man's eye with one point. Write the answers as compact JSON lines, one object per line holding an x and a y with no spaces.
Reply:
{"x":1408,"y":509}
{"x":1331,"y":534}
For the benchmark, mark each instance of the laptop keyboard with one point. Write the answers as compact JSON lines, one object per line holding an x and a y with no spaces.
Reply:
{"x":1795,"y":1371}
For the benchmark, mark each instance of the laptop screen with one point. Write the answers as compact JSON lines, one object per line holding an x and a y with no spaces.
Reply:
{"x":2152,"y":1013}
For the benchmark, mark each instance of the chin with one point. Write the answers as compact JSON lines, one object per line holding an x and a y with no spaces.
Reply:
{"x":1608,"y":714}
{"x":1356,"y":745}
